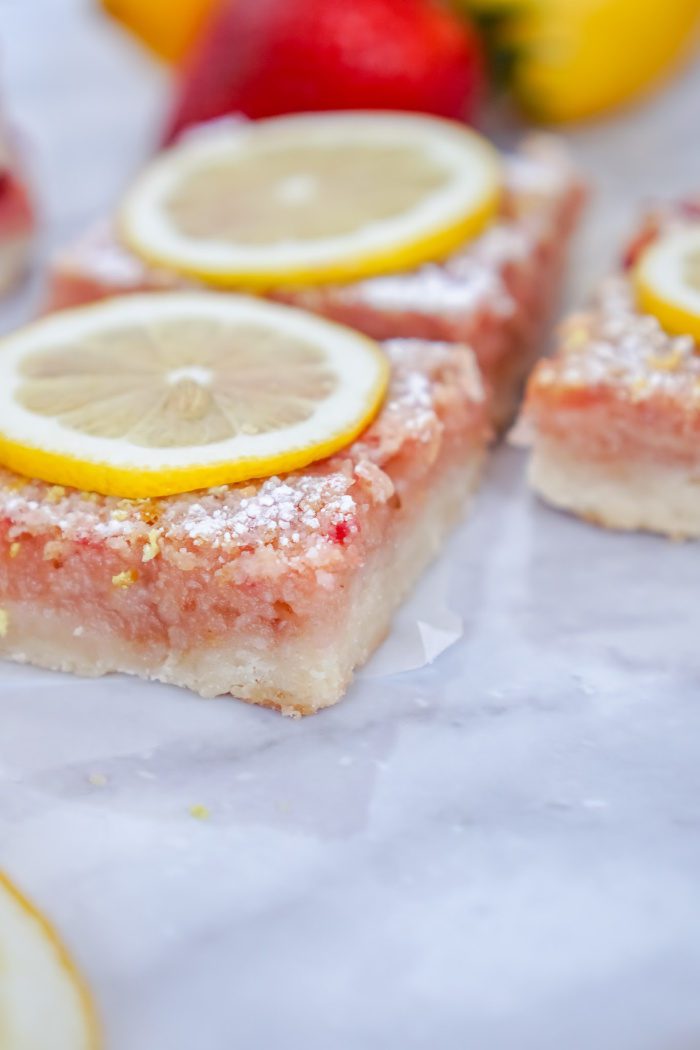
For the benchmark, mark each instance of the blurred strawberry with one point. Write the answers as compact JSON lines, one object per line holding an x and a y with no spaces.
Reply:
{"x":263,"y":57}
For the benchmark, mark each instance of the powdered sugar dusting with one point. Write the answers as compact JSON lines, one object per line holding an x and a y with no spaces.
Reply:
{"x":615,"y":345}
{"x":474,"y":278}
{"x":110,"y":263}
{"x":280,"y":512}
{"x":413,"y":400}
{"x":461,"y":284}
{"x":542,"y":167}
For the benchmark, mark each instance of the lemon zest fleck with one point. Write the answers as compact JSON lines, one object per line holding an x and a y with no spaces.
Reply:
{"x":151,"y":548}
{"x":125,"y":579}
{"x":55,"y":494}
{"x":670,"y":362}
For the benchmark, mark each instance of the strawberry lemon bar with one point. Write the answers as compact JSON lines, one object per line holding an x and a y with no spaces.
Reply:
{"x":491,"y":283}
{"x":134,"y":553}
{"x":614,"y":416}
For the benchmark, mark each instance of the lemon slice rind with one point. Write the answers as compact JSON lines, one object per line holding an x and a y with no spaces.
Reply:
{"x":44,"y":1001}
{"x":664,"y":285}
{"x":438,"y":224}
{"x":38,"y":445}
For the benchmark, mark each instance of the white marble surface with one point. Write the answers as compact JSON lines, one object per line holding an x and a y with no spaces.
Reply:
{"x":501,"y":850}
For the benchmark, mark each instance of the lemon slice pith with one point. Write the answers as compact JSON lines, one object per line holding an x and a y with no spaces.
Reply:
{"x":150,"y":395}
{"x":44,"y":1002}
{"x":312,"y":198}
{"x":667,"y":280}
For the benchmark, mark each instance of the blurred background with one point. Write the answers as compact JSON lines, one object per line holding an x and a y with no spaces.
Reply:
{"x":558,"y":60}
{"x":92,"y":87}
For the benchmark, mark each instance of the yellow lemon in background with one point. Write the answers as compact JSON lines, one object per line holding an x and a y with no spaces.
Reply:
{"x":571,"y":59}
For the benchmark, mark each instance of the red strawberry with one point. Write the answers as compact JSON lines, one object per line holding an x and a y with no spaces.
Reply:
{"x":263,"y":57}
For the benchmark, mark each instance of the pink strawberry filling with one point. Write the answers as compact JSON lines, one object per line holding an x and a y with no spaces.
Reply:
{"x":269,"y":557}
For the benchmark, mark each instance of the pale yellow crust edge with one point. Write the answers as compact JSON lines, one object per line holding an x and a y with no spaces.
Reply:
{"x":628,"y":495}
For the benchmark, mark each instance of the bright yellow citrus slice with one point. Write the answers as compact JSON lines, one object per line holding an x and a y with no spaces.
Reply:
{"x":312,"y":198}
{"x":667,"y":279}
{"x":44,"y":1003}
{"x":150,"y":395}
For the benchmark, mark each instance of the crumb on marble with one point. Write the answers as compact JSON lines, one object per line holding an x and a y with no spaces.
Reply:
{"x":199,"y":812}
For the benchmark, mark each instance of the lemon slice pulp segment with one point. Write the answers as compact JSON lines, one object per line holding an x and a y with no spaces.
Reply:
{"x":312,"y":198}
{"x":150,"y":395}
{"x":44,"y":1003}
{"x":667,"y":280}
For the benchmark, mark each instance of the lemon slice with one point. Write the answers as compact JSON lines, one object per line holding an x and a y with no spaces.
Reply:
{"x":150,"y":395}
{"x":44,"y":1003}
{"x":667,"y":280}
{"x":312,"y":198}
